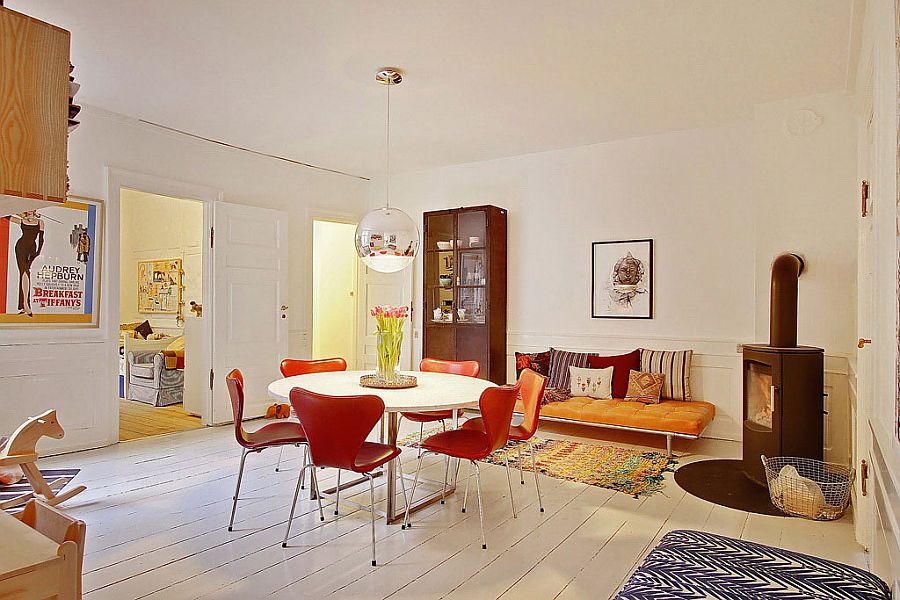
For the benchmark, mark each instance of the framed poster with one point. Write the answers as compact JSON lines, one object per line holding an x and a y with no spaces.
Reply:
{"x":50,"y":262}
{"x":159,"y":286}
{"x":622,"y":280}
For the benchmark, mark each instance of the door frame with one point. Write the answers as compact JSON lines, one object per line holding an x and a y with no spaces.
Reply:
{"x":116,"y":180}
{"x":331,"y":216}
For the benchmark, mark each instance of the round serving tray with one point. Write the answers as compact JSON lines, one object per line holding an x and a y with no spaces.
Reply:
{"x":374,"y":381}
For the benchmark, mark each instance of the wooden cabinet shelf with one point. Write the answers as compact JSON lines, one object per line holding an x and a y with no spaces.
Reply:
{"x":476,"y":266}
{"x":34,"y":112}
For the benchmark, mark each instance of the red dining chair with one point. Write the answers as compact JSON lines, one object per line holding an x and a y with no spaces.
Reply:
{"x":297,"y":366}
{"x":496,"y":405}
{"x":337,"y":427}
{"x":281,"y":433}
{"x":468,"y":368}
{"x":533,"y":385}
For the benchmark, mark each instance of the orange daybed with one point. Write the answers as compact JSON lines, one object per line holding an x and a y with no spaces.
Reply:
{"x":672,"y":418}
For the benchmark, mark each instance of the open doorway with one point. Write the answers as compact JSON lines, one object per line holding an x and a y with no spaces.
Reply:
{"x":334,"y":291}
{"x":162,"y":378}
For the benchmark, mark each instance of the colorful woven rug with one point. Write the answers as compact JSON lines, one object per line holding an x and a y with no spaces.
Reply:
{"x":632,"y":472}
{"x":8,"y":492}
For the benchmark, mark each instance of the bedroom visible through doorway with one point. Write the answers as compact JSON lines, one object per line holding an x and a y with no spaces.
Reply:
{"x":334,"y":291}
{"x":161,"y":315}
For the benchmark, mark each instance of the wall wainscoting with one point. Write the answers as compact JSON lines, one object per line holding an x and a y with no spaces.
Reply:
{"x":715,"y":377}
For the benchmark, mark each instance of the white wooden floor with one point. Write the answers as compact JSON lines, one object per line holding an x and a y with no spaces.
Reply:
{"x":157,"y":511}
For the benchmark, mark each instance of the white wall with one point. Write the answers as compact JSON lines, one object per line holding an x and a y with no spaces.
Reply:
{"x":154,"y":227}
{"x":700,"y":194}
{"x":74,"y":371}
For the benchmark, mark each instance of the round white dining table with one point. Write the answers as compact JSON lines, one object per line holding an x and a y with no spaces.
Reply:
{"x":435,"y":391}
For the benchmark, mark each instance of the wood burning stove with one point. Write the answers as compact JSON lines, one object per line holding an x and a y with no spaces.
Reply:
{"x":783,"y":382}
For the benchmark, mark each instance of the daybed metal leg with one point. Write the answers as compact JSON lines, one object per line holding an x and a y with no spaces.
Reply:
{"x":669,"y":446}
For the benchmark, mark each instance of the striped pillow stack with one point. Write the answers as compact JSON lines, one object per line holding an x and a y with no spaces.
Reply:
{"x":560,"y":361}
{"x":675,"y":366}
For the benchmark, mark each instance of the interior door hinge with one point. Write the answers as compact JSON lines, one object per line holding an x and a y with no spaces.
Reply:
{"x":212,"y":237}
{"x":211,"y":378}
{"x":864,"y":197}
{"x":864,"y":477}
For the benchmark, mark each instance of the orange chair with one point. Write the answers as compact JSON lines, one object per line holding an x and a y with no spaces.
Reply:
{"x":496,"y":405}
{"x":469,"y":368}
{"x":337,"y":428}
{"x":282,"y":433}
{"x":296,"y":366}
{"x":533,"y":386}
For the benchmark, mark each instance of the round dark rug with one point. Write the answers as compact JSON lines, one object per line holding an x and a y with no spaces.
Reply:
{"x":723,"y":482}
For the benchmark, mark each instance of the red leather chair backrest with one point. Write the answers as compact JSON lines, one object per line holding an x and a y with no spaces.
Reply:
{"x":296,"y":366}
{"x":235,"y":382}
{"x":336,"y":426}
{"x":496,"y":405}
{"x":533,"y":385}
{"x":469,"y":368}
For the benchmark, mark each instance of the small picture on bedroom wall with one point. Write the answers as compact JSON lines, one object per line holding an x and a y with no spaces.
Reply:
{"x":622,"y":280}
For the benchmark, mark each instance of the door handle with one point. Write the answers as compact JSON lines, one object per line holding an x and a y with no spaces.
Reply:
{"x":284,"y":307}
{"x":862,"y":342}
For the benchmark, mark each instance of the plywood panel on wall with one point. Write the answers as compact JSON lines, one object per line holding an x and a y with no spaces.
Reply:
{"x":34,"y":107}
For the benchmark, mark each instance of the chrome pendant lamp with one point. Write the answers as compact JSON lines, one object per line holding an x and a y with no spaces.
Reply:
{"x":387,"y":239}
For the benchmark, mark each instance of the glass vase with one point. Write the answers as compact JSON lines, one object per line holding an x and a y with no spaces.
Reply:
{"x":389,"y":355}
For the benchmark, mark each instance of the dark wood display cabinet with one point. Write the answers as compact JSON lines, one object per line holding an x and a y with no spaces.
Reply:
{"x":464,"y":287}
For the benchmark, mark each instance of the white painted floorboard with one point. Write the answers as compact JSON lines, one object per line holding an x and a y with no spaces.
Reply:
{"x":157,"y":511}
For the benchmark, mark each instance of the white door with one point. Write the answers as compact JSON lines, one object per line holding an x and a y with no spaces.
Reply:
{"x":250,"y":312}
{"x":377,"y":289}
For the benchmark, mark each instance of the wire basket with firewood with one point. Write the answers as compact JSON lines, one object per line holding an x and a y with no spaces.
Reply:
{"x":809,"y":488}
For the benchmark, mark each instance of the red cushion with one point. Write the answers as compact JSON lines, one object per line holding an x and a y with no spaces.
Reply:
{"x":372,"y":455}
{"x":468,"y":444}
{"x":621,"y":364}
{"x":539,"y":362}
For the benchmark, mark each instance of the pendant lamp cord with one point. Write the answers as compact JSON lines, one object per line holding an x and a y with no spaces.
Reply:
{"x":387,"y":199}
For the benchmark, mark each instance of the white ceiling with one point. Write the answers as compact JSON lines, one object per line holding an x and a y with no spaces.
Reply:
{"x":484,"y":78}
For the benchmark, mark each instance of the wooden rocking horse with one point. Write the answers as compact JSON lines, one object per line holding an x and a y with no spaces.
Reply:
{"x":20,"y":450}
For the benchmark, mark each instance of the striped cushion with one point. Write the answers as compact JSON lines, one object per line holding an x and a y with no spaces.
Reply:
{"x":560,"y":361}
{"x":676,"y":366}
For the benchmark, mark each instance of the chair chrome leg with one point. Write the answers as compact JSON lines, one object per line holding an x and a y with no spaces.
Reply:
{"x":402,"y":486}
{"x":337,"y":493}
{"x":303,"y":466}
{"x":287,"y":531}
{"x":421,"y":435}
{"x":278,"y":464}
{"x":537,"y":484}
{"x":412,"y":495}
{"x":315,"y":487}
{"x":446,"y":475}
{"x":372,"y":500}
{"x":512,"y":500}
{"x":480,"y":507}
{"x":237,"y":489}
{"x":468,"y":476}
{"x":519,"y":456}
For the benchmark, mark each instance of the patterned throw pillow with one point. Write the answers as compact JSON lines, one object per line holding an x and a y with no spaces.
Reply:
{"x":539,"y":362}
{"x":560,"y":361}
{"x":644,"y":387}
{"x":593,"y":383}
{"x":676,"y":366}
{"x":554,"y":395}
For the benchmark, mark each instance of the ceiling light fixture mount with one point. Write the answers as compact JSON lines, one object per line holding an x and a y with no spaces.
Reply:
{"x":387,"y":239}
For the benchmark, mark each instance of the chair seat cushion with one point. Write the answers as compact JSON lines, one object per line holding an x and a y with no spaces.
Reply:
{"x":428,"y":417}
{"x":275,"y":434}
{"x":142,"y":370}
{"x":373,"y":455}
{"x":694,"y":564}
{"x":688,"y":418}
{"x":468,"y":444}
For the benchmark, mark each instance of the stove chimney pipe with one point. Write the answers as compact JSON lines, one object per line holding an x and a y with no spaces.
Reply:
{"x":786,"y":270}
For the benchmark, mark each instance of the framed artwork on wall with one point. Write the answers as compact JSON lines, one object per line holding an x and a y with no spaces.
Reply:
{"x":622,"y":279}
{"x":50,"y":261}
{"x":159,"y":286}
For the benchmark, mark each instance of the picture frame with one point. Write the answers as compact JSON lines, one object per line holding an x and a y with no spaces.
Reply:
{"x":56,"y":253}
{"x":622,"y":279}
